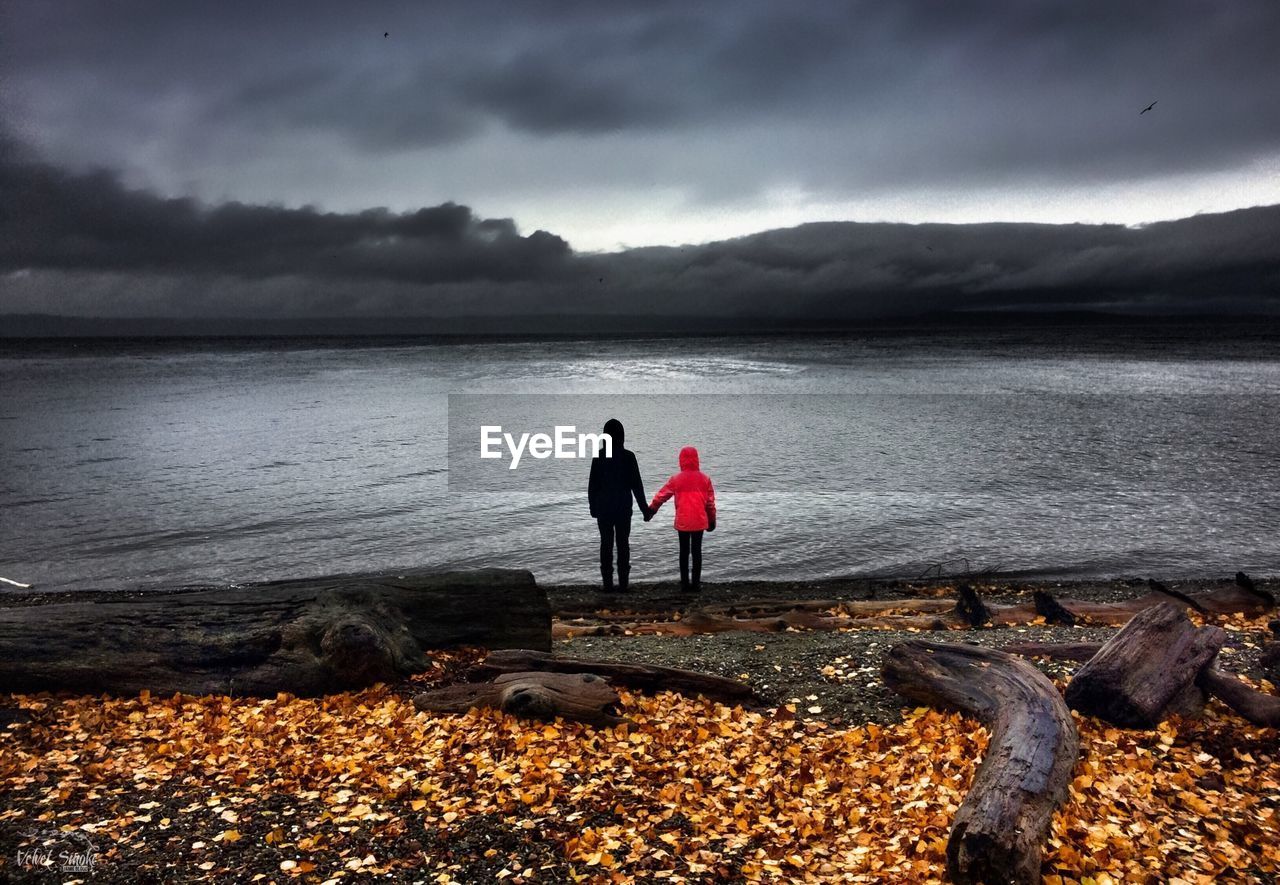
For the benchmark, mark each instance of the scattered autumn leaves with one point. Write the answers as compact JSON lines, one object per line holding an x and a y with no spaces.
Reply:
{"x":358,"y":786}
{"x":350,"y":786}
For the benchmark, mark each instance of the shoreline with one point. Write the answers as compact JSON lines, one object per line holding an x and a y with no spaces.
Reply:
{"x":660,"y":595}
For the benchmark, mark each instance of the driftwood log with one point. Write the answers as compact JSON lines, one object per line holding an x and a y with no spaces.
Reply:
{"x":1000,"y":828}
{"x":306,"y":637}
{"x":1257,"y":707}
{"x":641,"y":677}
{"x":966,"y":609}
{"x":583,"y":697}
{"x":1058,"y":651}
{"x":1147,"y":670}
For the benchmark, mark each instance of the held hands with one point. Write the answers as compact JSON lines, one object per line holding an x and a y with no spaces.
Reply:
{"x":648,"y":513}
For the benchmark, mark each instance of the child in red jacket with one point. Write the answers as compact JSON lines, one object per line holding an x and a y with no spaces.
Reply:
{"x":695,"y":513}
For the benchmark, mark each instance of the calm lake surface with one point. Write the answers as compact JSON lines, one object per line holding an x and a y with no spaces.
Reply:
{"x":1049,"y":451}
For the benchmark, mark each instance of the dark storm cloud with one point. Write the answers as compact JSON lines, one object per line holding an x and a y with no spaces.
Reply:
{"x":1206,"y":264}
{"x":74,"y":243}
{"x":864,"y":94}
{"x":53,"y":218}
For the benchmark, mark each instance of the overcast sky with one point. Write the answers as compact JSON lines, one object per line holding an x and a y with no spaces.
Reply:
{"x":608,"y":125}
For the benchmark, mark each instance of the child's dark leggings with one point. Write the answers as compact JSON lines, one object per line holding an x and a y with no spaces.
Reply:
{"x":690,"y":540}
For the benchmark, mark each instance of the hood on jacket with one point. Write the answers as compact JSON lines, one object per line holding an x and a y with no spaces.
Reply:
{"x":688,"y":458}
{"x":613,"y":427}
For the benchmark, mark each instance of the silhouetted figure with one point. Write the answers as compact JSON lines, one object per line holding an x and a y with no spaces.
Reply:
{"x":695,"y":513}
{"x":613,"y":483}
{"x":1147,"y":108}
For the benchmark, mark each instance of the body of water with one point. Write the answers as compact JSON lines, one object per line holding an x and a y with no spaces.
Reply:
{"x":1049,"y":451}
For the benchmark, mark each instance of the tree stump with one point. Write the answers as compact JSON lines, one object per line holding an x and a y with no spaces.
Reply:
{"x":306,"y":637}
{"x":970,"y":608}
{"x":582,"y":697}
{"x":641,"y":677}
{"x":999,"y":831}
{"x":1051,"y":610}
{"x":1147,"y":670}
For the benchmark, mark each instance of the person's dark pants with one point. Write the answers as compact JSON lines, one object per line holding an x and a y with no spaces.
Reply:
{"x":618,"y":527}
{"x":690,"y":542}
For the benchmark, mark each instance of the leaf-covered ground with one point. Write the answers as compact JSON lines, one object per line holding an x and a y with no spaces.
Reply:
{"x":360,"y":786}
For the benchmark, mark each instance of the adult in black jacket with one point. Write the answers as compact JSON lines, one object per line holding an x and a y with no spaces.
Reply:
{"x":614,"y":482}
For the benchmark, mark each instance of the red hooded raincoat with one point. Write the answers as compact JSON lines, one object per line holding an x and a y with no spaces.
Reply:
{"x":695,"y":498}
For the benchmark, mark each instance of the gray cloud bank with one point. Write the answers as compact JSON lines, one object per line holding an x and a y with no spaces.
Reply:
{"x":82,"y":244}
{"x":719,"y":99}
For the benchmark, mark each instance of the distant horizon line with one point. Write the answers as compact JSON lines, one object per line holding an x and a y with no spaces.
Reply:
{"x":31,"y":326}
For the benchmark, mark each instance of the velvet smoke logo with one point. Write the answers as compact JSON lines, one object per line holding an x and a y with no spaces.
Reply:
{"x":51,"y":849}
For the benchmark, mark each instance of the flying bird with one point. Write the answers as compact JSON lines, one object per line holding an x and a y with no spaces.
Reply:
{"x":1147,"y":108}
{"x":386,"y":34}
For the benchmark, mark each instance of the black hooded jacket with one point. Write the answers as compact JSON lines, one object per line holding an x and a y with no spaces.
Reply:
{"x":614,"y":481}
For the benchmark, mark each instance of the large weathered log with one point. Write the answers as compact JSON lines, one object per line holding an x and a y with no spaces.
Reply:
{"x":307,"y":637}
{"x":1001,"y":826}
{"x":641,"y":677}
{"x":584,"y":697}
{"x":1147,"y":670}
{"x":1256,"y":706}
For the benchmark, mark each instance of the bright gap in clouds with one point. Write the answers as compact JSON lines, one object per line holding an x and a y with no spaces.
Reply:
{"x":666,"y":217}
